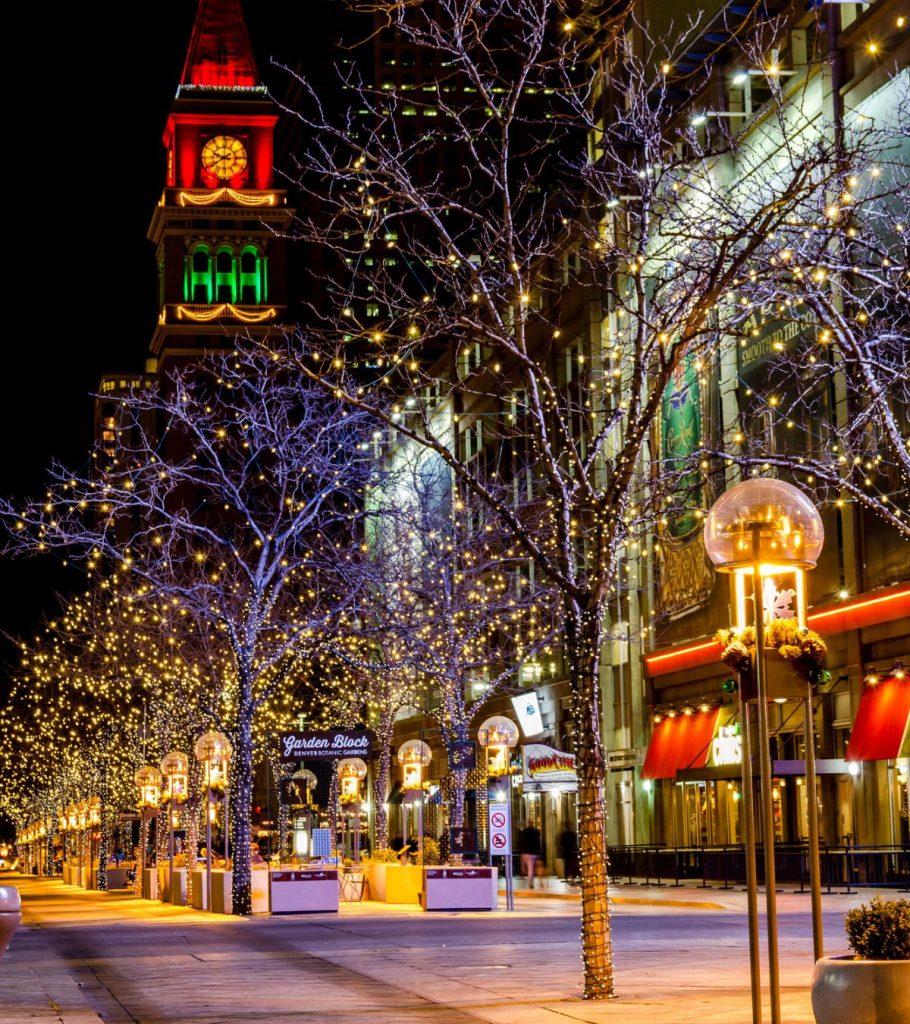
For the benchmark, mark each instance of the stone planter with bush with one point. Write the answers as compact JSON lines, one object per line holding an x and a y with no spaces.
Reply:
{"x":872,"y":987}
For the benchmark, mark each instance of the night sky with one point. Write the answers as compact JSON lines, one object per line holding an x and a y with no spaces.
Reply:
{"x":87,"y":148}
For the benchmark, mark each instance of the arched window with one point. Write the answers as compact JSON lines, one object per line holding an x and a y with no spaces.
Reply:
{"x":252,"y":289}
{"x":199,"y":285}
{"x":225,"y":285}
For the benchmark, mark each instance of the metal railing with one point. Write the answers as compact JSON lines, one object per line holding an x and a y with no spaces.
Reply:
{"x":843,"y":868}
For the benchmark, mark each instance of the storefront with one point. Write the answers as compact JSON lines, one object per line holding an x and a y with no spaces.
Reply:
{"x":548,"y":802}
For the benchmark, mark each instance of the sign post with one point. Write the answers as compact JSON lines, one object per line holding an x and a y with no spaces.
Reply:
{"x":501,"y":843}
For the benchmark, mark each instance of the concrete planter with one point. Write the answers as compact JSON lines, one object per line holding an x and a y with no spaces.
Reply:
{"x":10,"y":914}
{"x":848,"y":991}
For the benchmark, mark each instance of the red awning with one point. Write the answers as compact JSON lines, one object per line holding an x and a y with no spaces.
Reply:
{"x":881,"y":721}
{"x":680,"y":742}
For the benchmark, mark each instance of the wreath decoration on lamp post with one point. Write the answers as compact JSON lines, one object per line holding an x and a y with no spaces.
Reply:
{"x":799,"y":645}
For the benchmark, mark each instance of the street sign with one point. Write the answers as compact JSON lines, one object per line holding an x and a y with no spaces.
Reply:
{"x":500,"y":830}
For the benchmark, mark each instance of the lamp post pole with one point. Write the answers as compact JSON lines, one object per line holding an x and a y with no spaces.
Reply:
{"x":815,"y":887}
{"x":767,"y":802}
{"x":751,"y":873}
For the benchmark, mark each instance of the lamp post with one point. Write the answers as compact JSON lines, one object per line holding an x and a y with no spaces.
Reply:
{"x":213,"y":750}
{"x":771,"y":532}
{"x":351,"y":770}
{"x":303,"y":822}
{"x":414,"y":756}
{"x":497,"y":735}
{"x":174,"y":768}
{"x":148,"y":782}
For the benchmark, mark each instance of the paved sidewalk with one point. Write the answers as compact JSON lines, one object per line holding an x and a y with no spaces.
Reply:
{"x":681,"y":958}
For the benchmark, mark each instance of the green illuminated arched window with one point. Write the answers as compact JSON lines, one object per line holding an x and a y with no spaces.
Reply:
{"x":252,"y":269}
{"x":199,"y":276}
{"x":225,"y":282}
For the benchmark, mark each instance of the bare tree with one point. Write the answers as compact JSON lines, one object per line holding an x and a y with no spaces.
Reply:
{"x":240,"y":508}
{"x":541,"y":249}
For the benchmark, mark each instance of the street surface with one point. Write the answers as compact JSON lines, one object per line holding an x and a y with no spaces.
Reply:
{"x":681,"y":956}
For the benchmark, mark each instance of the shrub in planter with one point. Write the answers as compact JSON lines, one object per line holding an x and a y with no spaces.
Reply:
{"x":872,"y":987}
{"x":383,"y":856}
{"x":880,"y":930}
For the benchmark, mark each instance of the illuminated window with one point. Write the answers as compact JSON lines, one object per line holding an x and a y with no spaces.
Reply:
{"x":251,"y":283}
{"x":225,"y":288}
{"x":200,"y":277}
{"x":228,"y":277}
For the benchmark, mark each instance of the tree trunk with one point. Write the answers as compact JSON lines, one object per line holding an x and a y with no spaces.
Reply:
{"x":583,"y":635}
{"x":381,"y":781}
{"x":191,"y":819}
{"x":241,"y":812}
{"x":333,"y":806}
{"x":104,"y":827}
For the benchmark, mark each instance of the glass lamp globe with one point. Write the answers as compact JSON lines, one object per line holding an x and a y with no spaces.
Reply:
{"x":174,"y":767}
{"x":414,"y":752}
{"x":352,"y":768}
{"x":309,"y":778}
{"x":766,"y":521}
{"x":212,"y":747}
{"x":498,"y":731}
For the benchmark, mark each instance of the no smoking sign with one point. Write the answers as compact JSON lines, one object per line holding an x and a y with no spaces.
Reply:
{"x":500,"y":831}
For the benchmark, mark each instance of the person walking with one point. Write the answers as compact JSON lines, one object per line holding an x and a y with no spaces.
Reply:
{"x":529,"y":851}
{"x":568,"y":848}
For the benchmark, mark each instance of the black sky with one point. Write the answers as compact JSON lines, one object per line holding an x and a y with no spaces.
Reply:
{"x":86,"y":167}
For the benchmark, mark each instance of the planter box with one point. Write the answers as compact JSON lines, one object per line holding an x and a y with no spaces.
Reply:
{"x":117,"y":877}
{"x":403,"y":883}
{"x":222,"y":900}
{"x":308,"y":891}
{"x":260,"y":890}
{"x":150,"y":884}
{"x":460,"y":888}
{"x":221,"y":891}
{"x":848,"y":991}
{"x":172,"y":890}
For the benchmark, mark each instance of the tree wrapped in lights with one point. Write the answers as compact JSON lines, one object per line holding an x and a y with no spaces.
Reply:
{"x":460,"y":598}
{"x":542,"y":295}
{"x":238,"y":509}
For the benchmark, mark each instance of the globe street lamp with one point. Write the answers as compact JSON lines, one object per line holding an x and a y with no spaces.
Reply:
{"x":301,"y":800}
{"x":213,"y":751}
{"x":148,"y":782}
{"x":174,"y":768}
{"x":351,"y":770}
{"x":769,"y":532}
{"x":414,"y":756}
{"x":497,"y":735}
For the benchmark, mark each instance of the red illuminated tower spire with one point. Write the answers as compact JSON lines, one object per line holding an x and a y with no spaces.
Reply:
{"x":220,"y":53}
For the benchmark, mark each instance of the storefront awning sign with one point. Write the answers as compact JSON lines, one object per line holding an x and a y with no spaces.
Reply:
{"x":880,"y":731}
{"x":545,"y":767}
{"x":680,"y":743}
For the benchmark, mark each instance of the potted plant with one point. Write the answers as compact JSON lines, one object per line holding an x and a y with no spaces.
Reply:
{"x":872,"y":986}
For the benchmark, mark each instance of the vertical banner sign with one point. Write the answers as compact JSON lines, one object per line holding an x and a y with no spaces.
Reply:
{"x":685,"y":580}
{"x":500,"y":830}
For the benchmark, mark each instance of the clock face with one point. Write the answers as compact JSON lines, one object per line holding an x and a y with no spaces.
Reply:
{"x":224,"y":156}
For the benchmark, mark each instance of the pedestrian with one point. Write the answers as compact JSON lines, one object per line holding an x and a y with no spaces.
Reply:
{"x":568,"y":850}
{"x":529,"y":851}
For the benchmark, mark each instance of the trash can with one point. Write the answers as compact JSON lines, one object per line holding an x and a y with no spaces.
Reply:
{"x":10,"y":914}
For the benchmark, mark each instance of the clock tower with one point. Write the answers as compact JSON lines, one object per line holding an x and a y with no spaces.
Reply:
{"x":219,"y":226}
